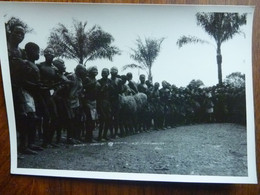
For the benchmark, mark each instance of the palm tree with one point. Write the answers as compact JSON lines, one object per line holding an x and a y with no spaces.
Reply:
{"x":145,"y":54}
{"x":80,"y":44}
{"x":220,"y":26}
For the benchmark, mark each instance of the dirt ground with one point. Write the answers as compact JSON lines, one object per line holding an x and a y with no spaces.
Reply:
{"x":205,"y":149}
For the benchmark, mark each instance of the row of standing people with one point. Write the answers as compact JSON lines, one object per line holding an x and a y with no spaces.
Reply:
{"x":48,"y":100}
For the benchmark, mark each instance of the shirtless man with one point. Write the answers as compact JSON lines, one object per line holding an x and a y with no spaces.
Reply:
{"x":90,"y":102}
{"x":131,"y":83}
{"x":164,"y":98}
{"x":50,"y":78}
{"x":24,"y":106}
{"x":114,"y":98}
{"x":142,"y":87}
{"x":33,"y":86}
{"x":104,"y":105}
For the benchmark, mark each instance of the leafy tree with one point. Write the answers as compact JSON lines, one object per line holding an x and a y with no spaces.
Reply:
{"x":195,"y":84}
{"x":145,"y":54}
{"x":235,"y":79}
{"x":221,"y":27}
{"x":80,"y":44}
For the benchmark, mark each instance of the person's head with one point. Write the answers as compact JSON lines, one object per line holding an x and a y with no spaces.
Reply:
{"x":49,"y":54}
{"x":173,"y":88}
{"x":156,"y":85}
{"x":142,"y":78}
{"x":80,"y":71}
{"x":60,"y":65}
{"x":105,"y":73}
{"x":164,"y":84}
{"x":17,"y":34}
{"x":148,"y":83}
{"x":32,"y":51}
{"x":93,"y":71}
{"x":129,"y":76}
{"x":123,"y":78}
{"x":114,"y":71}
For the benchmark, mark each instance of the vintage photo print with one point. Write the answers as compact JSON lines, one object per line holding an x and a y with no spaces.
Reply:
{"x":129,"y":92}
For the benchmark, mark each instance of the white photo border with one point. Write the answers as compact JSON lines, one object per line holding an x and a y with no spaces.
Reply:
{"x":251,"y":178}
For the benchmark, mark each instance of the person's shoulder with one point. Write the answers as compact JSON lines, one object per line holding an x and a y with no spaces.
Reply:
{"x":41,"y":64}
{"x":70,"y":76}
{"x":87,"y":79}
{"x":23,"y":52}
{"x":130,"y":82}
{"x":118,"y":79}
{"x":100,"y":81}
{"x":109,"y":81}
{"x":140,"y":86}
{"x":54,"y":67}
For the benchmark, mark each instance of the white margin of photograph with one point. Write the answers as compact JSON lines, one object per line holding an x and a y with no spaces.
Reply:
{"x":251,"y":150}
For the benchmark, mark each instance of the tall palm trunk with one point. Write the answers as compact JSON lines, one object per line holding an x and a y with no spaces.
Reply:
{"x":81,"y":61}
{"x":150,"y":77}
{"x":219,"y":62}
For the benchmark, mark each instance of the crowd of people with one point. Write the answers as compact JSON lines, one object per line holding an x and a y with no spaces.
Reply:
{"x":49,"y":101}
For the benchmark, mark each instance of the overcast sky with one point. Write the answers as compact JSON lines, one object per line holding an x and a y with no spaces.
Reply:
{"x":126,"y":22}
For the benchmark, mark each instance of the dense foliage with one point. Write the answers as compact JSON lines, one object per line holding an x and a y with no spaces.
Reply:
{"x":188,"y":105}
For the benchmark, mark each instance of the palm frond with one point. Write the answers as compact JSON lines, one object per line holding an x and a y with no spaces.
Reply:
{"x":221,"y":26}
{"x":132,"y":66}
{"x":190,"y":39}
{"x":81,"y":43}
{"x":147,"y":51}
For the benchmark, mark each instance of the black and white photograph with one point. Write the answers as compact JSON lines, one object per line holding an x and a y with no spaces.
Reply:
{"x":129,"y":92}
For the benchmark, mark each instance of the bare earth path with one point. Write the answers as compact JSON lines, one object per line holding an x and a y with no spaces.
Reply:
{"x":205,"y":149}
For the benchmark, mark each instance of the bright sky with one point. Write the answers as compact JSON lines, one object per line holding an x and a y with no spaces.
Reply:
{"x":126,"y":22}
